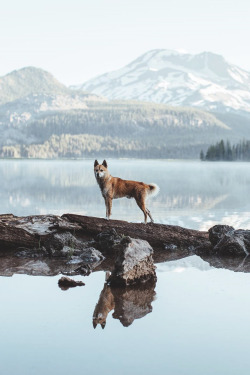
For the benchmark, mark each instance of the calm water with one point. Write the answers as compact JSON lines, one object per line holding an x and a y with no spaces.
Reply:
{"x":193,"y":194}
{"x":195,"y":320}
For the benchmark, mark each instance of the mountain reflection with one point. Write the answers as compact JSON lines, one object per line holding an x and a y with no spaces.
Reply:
{"x":128,"y":303}
{"x":31,"y":187}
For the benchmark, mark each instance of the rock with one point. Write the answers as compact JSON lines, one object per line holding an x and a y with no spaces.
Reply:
{"x":106,"y":240}
{"x":133,"y":302}
{"x":75,"y":257}
{"x":63,"y":244}
{"x":65,"y":283}
{"x":134,"y":263}
{"x":91,"y":255}
{"x":232,"y":263}
{"x":217,"y":232}
{"x":84,"y":269}
{"x":228,"y":241}
{"x":28,"y":253}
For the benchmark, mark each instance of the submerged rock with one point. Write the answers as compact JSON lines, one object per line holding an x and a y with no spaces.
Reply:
{"x":65,"y":283}
{"x":228,"y":241}
{"x":134,"y":262}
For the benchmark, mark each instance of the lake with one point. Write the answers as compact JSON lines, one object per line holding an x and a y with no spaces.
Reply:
{"x":193,"y":321}
{"x":193,"y":194}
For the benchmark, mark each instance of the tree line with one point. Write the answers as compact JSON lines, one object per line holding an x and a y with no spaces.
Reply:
{"x":223,"y":150}
{"x":86,"y":145}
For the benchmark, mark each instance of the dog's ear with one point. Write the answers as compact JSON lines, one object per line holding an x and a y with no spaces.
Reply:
{"x":103,"y":325}
{"x":94,"y":324}
{"x":105,"y":164}
{"x":96,"y":163}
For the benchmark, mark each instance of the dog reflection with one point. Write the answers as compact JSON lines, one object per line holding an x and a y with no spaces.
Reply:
{"x":105,"y":304}
{"x":128,"y":303}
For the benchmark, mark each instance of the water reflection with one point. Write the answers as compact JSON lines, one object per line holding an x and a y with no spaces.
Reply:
{"x":128,"y":303}
{"x":193,"y":194}
{"x":236,"y":264}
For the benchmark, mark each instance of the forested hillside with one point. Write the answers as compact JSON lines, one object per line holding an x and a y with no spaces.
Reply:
{"x":129,"y":129}
{"x":40,"y":117}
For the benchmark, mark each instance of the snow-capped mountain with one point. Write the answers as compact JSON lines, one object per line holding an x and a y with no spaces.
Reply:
{"x":205,"y":80}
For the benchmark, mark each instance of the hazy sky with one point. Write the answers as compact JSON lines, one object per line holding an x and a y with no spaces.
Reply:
{"x":76,"y":40}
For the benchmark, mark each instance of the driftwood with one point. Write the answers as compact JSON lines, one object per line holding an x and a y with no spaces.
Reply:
{"x":74,"y":244}
{"x":33,"y":231}
{"x":159,"y":236}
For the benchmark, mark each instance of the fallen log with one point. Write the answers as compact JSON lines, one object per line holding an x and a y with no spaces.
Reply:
{"x":35,"y":231}
{"x":159,"y":236}
{"x":73,"y":244}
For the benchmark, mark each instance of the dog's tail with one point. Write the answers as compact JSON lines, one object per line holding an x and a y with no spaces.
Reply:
{"x":153,"y":190}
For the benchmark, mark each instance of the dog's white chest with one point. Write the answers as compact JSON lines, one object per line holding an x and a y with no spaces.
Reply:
{"x":105,"y":191}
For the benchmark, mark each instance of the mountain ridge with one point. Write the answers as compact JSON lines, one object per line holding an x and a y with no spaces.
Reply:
{"x":40,"y":117}
{"x":204,"y":80}
{"x":29,"y":81}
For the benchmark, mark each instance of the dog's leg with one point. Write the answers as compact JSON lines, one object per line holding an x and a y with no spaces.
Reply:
{"x":149,"y":214}
{"x":106,"y":205}
{"x":140,"y":202}
{"x":108,"y":202}
{"x":109,"y":207}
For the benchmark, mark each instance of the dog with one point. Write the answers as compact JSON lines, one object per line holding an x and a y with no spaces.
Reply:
{"x":105,"y":304}
{"x":115,"y":187}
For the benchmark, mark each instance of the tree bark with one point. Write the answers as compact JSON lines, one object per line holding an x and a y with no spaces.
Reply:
{"x":32,"y":231}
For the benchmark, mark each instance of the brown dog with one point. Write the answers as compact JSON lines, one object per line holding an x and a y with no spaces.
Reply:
{"x":105,"y":304}
{"x":115,"y":187}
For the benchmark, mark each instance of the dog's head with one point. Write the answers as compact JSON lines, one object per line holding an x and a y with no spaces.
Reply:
{"x":101,"y":170}
{"x":100,"y":319}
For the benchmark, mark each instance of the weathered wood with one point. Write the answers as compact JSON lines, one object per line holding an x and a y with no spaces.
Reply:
{"x":12,"y":237}
{"x":30,"y":231}
{"x":48,"y":244}
{"x":159,"y":236}
{"x":34,"y":231}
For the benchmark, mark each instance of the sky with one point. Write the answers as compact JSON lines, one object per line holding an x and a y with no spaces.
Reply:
{"x":76,"y":40}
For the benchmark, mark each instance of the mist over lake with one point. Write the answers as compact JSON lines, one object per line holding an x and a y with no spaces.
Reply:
{"x":192,"y":194}
{"x":175,"y":325}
